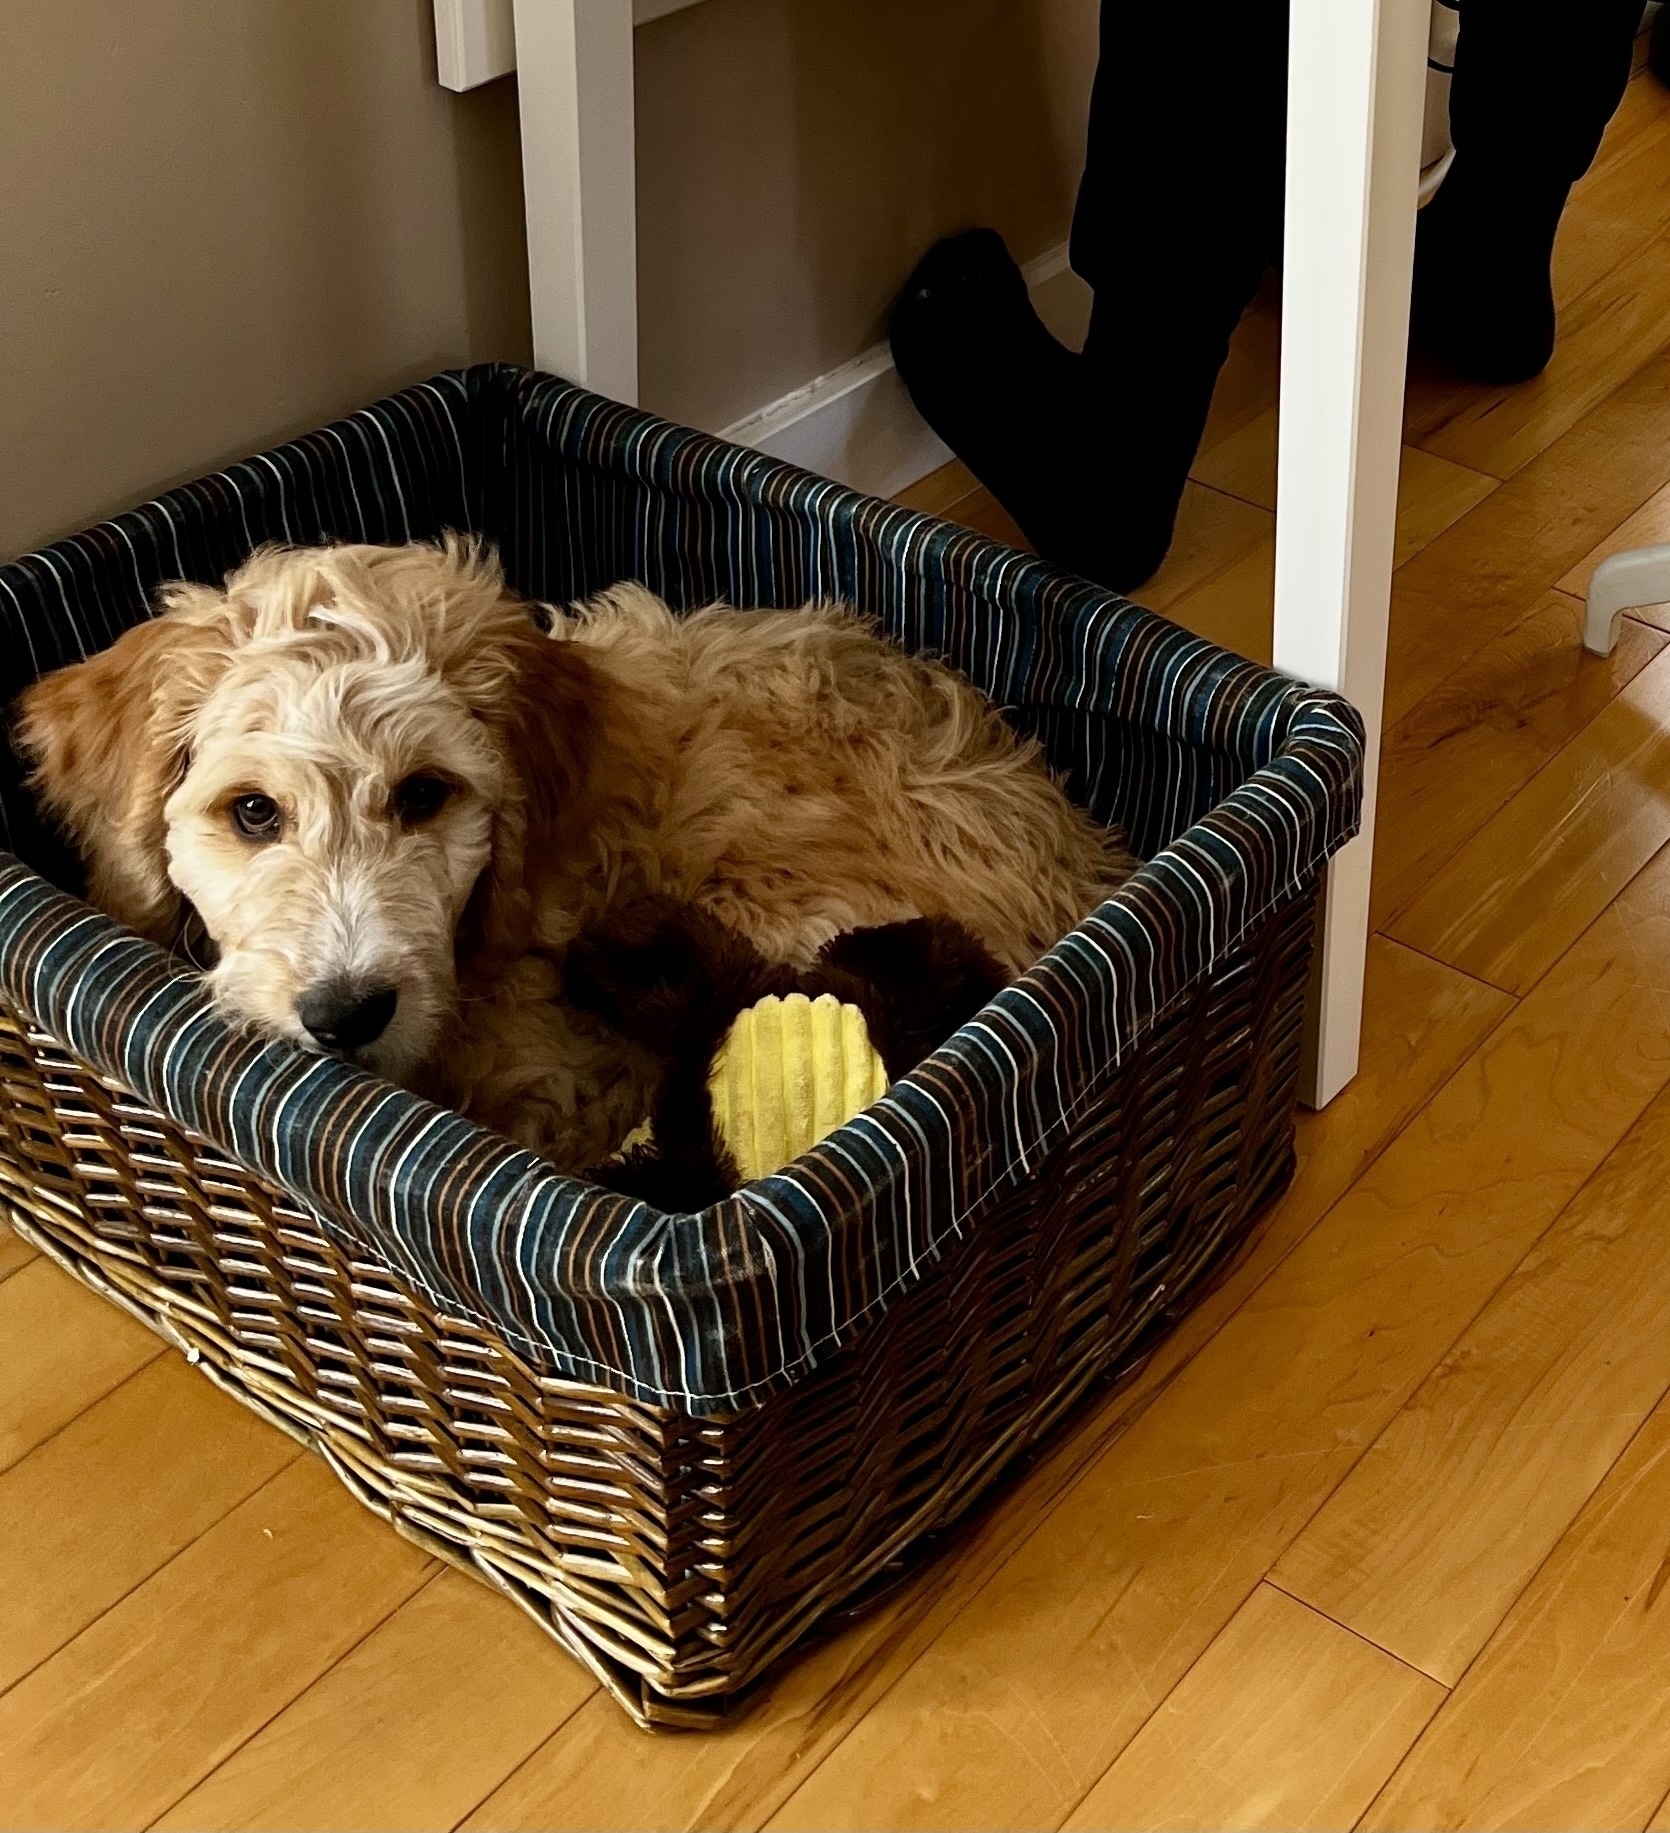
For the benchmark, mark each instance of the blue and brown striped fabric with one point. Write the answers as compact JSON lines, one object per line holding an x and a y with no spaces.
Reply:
{"x":1232,"y":782}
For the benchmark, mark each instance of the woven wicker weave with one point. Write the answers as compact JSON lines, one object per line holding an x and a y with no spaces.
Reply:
{"x":679,"y":1557}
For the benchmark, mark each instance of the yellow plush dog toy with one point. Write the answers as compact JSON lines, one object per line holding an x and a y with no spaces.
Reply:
{"x":761,"y":1062}
{"x":789,"y":1072}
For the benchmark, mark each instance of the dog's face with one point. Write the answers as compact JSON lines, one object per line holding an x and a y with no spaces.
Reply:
{"x":333,"y":761}
{"x":333,"y":819}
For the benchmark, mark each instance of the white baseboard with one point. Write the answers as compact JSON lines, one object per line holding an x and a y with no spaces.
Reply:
{"x":856,"y":424}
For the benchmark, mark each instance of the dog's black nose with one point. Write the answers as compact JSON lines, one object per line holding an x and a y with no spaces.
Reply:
{"x":347,"y":1018}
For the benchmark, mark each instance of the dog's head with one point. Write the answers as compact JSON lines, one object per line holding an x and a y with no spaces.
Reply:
{"x":336,"y":762}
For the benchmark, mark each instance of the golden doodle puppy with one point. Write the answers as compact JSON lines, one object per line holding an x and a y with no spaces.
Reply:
{"x":391,"y":794}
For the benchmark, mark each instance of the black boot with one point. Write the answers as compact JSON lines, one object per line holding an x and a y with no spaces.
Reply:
{"x":1179,"y":205}
{"x":985,"y":372}
{"x":1087,"y":452}
{"x":1536,"y":82}
{"x":1658,"y":52}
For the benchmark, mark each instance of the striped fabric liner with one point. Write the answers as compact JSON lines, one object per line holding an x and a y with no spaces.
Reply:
{"x":1234,"y":783}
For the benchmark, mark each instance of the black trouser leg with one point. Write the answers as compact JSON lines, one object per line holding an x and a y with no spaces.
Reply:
{"x":1536,"y":82}
{"x":1182,"y":188}
{"x":1177,"y":214}
{"x":1179,"y":205}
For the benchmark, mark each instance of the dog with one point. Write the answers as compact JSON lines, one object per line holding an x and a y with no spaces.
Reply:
{"x":390,"y":794}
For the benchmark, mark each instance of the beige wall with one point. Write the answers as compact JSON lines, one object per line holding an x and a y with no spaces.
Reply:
{"x":795,"y":156}
{"x":225,"y":221}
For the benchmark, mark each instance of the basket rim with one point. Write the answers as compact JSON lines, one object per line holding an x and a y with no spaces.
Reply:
{"x":579,"y":1279}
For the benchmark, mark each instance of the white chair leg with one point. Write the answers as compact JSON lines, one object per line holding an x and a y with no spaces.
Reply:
{"x":1356,"y":89}
{"x":1639,"y":576}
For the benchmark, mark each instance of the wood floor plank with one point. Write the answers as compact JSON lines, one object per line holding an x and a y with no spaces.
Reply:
{"x":1421,"y":1022}
{"x":1607,"y":332}
{"x":1436,"y":395}
{"x":1655,"y":617}
{"x":1213,"y":532}
{"x":1248,"y":383}
{"x":1236,"y":607}
{"x":1648,"y":527}
{"x":64,"y":1347}
{"x":15,"y":1252}
{"x":1564,"y":1721}
{"x":1433,"y":495}
{"x":1287,"y":1720}
{"x":1481,"y":576}
{"x":1027,"y":1698}
{"x":1450,"y":764}
{"x":981,"y":511}
{"x":1622,"y":207}
{"x":410,"y":1729}
{"x":113,"y":1497}
{"x":1645,"y":102}
{"x":600,"y":1772}
{"x":148,"y":1699}
{"x":1435,"y":1533}
{"x":935,"y":493}
{"x":1516,"y":895}
{"x":1243,"y":464}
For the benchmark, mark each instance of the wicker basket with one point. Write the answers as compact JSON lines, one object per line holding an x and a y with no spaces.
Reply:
{"x":676,"y":1528}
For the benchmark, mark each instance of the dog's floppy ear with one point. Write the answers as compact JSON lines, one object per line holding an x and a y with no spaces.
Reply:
{"x":545,"y":714}
{"x":107,"y":739}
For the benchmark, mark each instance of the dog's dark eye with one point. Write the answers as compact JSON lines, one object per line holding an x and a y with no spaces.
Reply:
{"x":420,"y":798}
{"x":257,"y":817}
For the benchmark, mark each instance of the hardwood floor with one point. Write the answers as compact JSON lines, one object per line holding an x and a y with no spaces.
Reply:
{"x":1376,"y":1538}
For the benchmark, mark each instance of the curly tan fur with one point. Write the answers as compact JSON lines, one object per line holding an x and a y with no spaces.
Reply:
{"x":789,"y":772}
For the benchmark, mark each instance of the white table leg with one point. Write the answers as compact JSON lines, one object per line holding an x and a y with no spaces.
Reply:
{"x":579,"y":175}
{"x":1356,"y":91}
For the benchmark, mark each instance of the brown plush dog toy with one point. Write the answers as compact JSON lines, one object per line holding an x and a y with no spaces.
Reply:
{"x":736,"y":1032}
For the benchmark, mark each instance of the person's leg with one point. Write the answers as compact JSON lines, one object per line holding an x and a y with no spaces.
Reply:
{"x":1536,"y":82}
{"x":1177,"y":216}
{"x":1179,"y":204}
